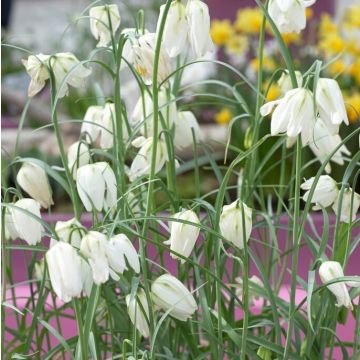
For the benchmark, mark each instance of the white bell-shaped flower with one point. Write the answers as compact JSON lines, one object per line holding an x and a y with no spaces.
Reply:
{"x":199,"y":27}
{"x":325,"y":193}
{"x":231,"y":223}
{"x":78,"y":155}
{"x":185,"y":125}
{"x":93,"y":248}
{"x":100,"y":24}
{"x":332,"y":270}
{"x":176,"y":28}
{"x":120,"y":252}
{"x":345,"y":208}
{"x":183,"y":236}
{"x":64,"y":264}
{"x":26,"y":226}
{"x":294,"y":114}
{"x":142,"y":162}
{"x":36,"y":67}
{"x":170,"y":294}
{"x":144,"y":56}
{"x":289,"y":15}
{"x":139,"y":315}
{"x":70,"y":231}
{"x":90,"y":126}
{"x":324,"y":143}
{"x":96,"y":184}
{"x":330,"y":103}
{"x":33,"y":179}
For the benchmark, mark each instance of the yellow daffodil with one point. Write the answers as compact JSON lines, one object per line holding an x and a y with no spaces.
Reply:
{"x":332,"y":44}
{"x":327,"y":26}
{"x":291,"y":38}
{"x":268,"y":64}
{"x":337,"y":67}
{"x":248,"y":20}
{"x":352,"y":17}
{"x":237,"y":44}
{"x":354,"y":70}
{"x":353,"y":107}
{"x":273,"y":93}
{"x":221,"y":31}
{"x":224,"y":116}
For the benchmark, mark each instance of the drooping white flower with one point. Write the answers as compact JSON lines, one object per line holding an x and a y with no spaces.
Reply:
{"x":170,"y":294}
{"x":10,"y":229}
{"x":78,"y":155}
{"x":64,"y":266}
{"x":121,"y":251}
{"x":231,"y":223}
{"x":324,"y":143}
{"x":68,"y":71}
{"x":289,"y":15}
{"x":27,"y":227}
{"x":185,"y":125}
{"x":325,"y":193}
{"x":70,"y":231}
{"x":33,"y":179}
{"x":183,"y":236}
{"x":142,"y":162}
{"x":97,"y":188}
{"x":144,"y":56}
{"x":332,"y":270}
{"x":199,"y":27}
{"x":142,"y":115}
{"x":345,"y":215}
{"x":36,"y":67}
{"x":330,"y":103}
{"x":285,"y":81}
{"x":100,"y":24}
{"x":90,"y":126}
{"x":93,"y":247}
{"x":176,"y":28}
{"x":139,"y":315}
{"x":294,"y":114}
{"x":253,"y":294}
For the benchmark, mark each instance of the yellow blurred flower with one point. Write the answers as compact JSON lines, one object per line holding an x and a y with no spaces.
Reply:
{"x":221,"y":31}
{"x":309,"y":13}
{"x":224,"y":116}
{"x":249,"y":20}
{"x":268,"y":64}
{"x":352,"y":17}
{"x":352,"y":47}
{"x":354,"y":70}
{"x":332,"y":44}
{"x":353,"y":107}
{"x":292,"y":38}
{"x":237,"y":44}
{"x":327,"y":26}
{"x":337,"y":67}
{"x":273,"y":93}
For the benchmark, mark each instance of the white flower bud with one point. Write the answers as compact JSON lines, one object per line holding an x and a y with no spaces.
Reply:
{"x":345,"y":215}
{"x":70,"y":231}
{"x":185,"y":124}
{"x":78,"y":155}
{"x":170,"y":294}
{"x":139,"y":315}
{"x":231,"y":223}
{"x":90,"y":125}
{"x":33,"y":179}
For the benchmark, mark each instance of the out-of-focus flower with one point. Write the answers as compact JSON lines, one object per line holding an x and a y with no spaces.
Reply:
{"x":139,"y":314}
{"x":325,"y":193}
{"x":185,"y":124}
{"x":33,"y":179}
{"x":352,"y":17}
{"x":292,"y":38}
{"x":176,"y":28}
{"x":66,"y":65}
{"x":354,"y":70}
{"x":27,"y":228}
{"x":144,"y":56}
{"x":332,"y":270}
{"x":293,"y":115}
{"x":142,"y":161}
{"x":96,"y":184}
{"x":199,"y":27}
{"x":93,"y":248}
{"x":330,"y":104}
{"x":142,"y":115}
{"x":289,"y":16}
{"x":78,"y":155}
{"x":285,"y":81}
{"x":100,"y":24}
{"x":64,"y":266}
{"x":273,"y":92}
{"x":332,"y":44}
{"x":171,"y":295}
{"x":345,"y":215}
{"x":120,"y":251}
{"x":327,"y":26}
{"x":36,"y":67}
{"x":268,"y":64}
{"x":337,"y":67}
{"x":221,"y":32}
{"x":352,"y":103}
{"x":70,"y":231}
{"x":231,"y":223}
{"x":183,"y":236}
{"x":224,"y":116}
{"x":309,"y":13}
{"x":253,"y":293}
{"x":249,"y":20}
{"x":237,"y":44}
{"x":324,"y":144}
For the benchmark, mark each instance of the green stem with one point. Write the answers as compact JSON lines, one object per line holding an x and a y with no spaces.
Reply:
{"x":80,"y":327}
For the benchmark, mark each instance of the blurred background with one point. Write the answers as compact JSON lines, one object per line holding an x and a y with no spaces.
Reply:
{"x":49,"y":26}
